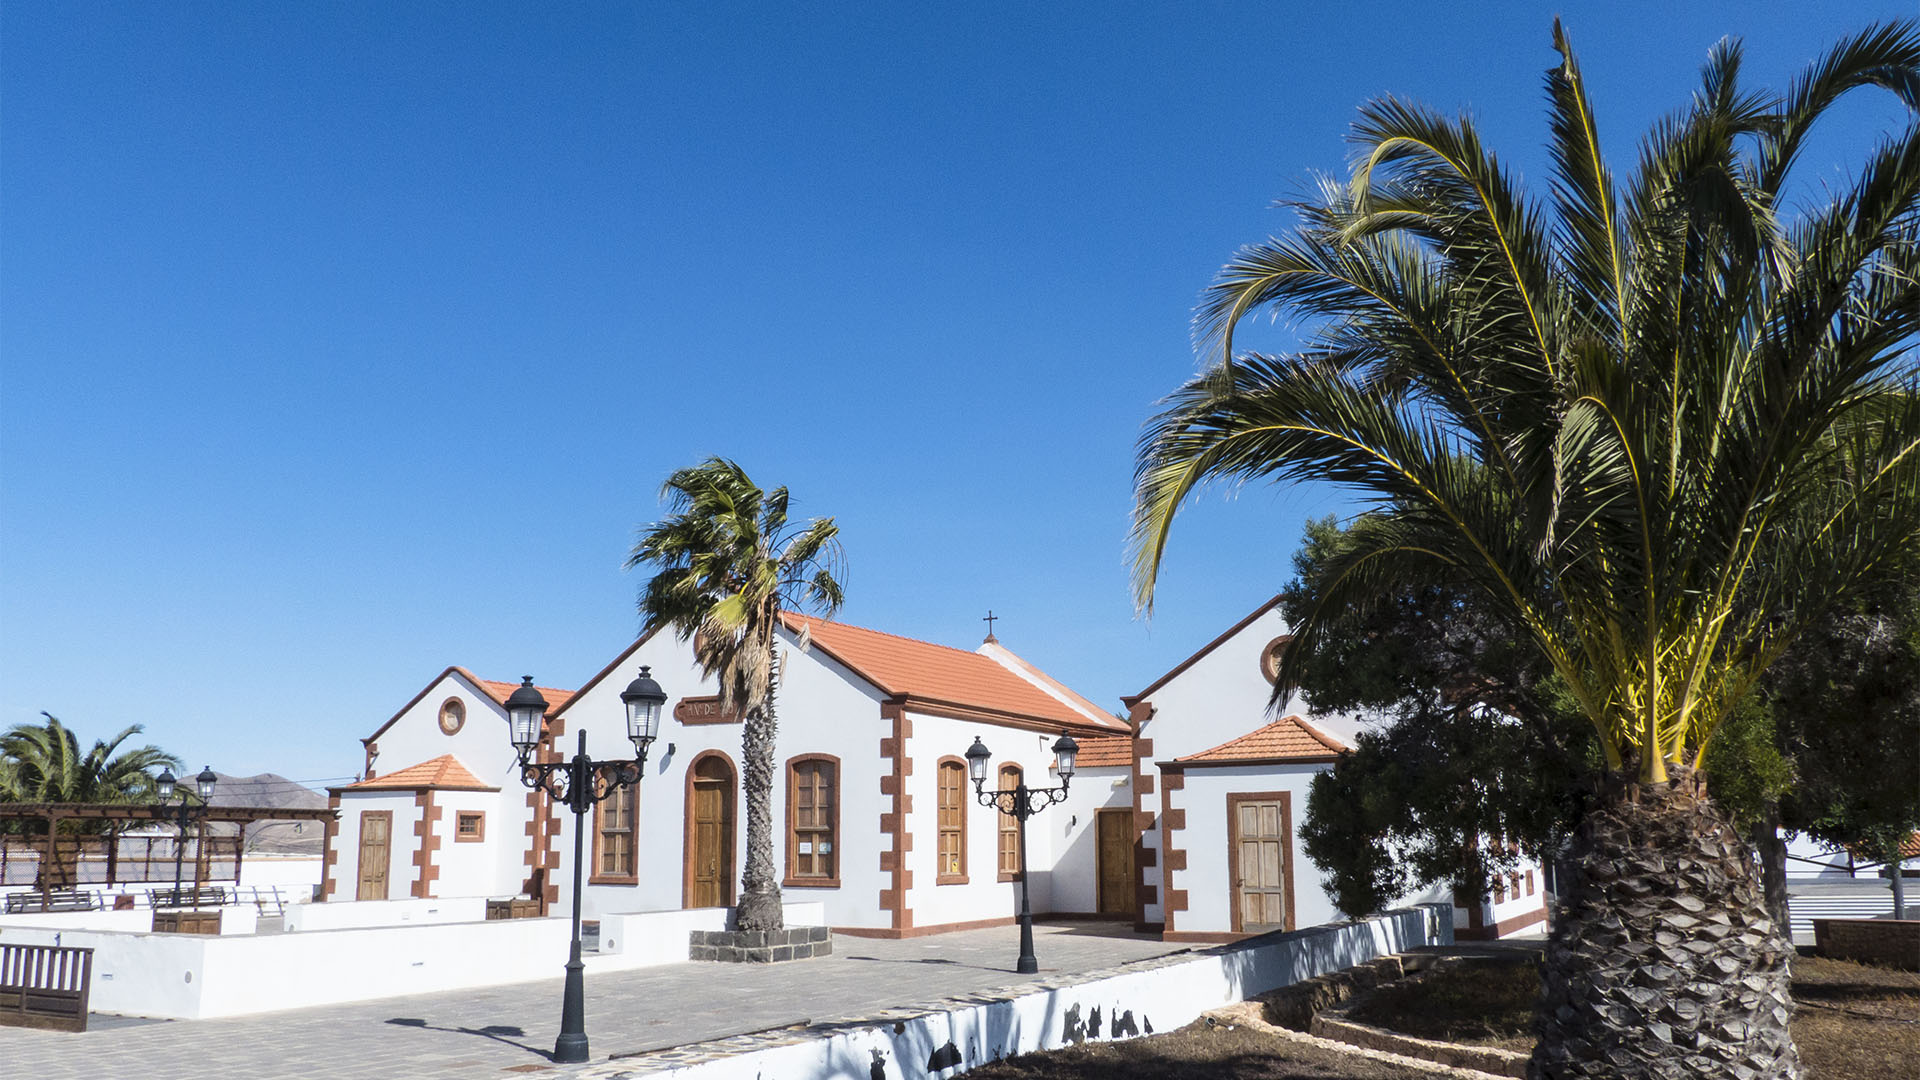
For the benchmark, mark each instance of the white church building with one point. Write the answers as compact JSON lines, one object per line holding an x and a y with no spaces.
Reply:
{"x":1182,"y":818}
{"x":874,"y":815}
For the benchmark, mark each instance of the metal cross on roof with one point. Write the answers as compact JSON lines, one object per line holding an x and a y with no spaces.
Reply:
{"x":989,"y":621}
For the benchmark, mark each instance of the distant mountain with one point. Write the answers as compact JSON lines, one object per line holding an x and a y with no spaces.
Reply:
{"x":272,"y":789}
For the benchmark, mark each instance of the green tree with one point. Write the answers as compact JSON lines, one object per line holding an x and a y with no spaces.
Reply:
{"x":1846,"y":706}
{"x":1664,"y":426}
{"x":1476,"y":757}
{"x":727,"y":563}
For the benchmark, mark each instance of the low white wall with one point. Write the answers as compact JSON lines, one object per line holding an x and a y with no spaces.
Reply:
{"x":186,"y":976}
{"x":131,"y":921}
{"x":1154,"y":997}
{"x":362,"y":914}
{"x":233,"y":920}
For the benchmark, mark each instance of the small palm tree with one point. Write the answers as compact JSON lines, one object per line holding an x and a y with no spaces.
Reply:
{"x":43,"y":763}
{"x":727,"y":564}
{"x":1663,"y":426}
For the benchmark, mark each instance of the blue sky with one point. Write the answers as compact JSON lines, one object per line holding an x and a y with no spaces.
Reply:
{"x":341,"y":342}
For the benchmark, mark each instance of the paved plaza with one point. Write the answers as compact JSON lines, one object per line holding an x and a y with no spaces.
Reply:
{"x":506,"y":1031}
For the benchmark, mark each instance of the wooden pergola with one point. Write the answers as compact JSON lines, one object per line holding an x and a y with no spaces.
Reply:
{"x":37,"y":828}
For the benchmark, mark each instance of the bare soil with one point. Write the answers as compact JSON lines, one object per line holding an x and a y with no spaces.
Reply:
{"x":1855,"y":1021}
{"x":1193,"y":1053}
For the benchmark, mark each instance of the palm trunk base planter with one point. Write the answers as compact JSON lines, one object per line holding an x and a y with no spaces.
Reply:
{"x":761,"y":911}
{"x":1665,"y":961}
{"x":760,"y":946}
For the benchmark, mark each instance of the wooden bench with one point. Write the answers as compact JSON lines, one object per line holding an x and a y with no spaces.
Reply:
{"x":45,"y":986}
{"x":204,"y":896}
{"x":55,"y":900}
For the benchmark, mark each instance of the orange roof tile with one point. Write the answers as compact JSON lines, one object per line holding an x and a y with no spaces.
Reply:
{"x":1104,"y":752}
{"x":1287,"y":739}
{"x":498,"y":691}
{"x":442,"y":773}
{"x":936,"y":673}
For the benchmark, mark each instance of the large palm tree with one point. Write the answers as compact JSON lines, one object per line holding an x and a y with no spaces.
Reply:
{"x":1662,"y":424}
{"x":728,"y":562}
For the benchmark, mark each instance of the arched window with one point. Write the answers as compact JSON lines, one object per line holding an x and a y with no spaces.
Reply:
{"x":1010,"y":776}
{"x":952,"y":823}
{"x":813,"y":821}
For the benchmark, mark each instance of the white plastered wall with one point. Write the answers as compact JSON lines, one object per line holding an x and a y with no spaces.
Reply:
{"x":400,"y":848}
{"x":983,"y":895}
{"x":494,"y":868}
{"x":822,"y":709}
{"x":1074,"y":871}
{"x":475,"y":868}
{"x":1222,"y":696}
{"x":1207,"y":840}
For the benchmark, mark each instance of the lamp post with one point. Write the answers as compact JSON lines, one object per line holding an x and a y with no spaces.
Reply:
{"x":1022,"y":803}
{"x":579,"y":783}
{"x":203,"y":786}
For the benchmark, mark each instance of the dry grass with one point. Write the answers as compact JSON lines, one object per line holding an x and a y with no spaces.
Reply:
{"x":1856,"y":1019}
{"x":1855,"y":1022}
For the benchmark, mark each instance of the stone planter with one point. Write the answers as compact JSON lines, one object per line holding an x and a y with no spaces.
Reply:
{"x":760,"y":946}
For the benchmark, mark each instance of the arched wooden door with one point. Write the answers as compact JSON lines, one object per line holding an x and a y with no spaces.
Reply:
{"x":711,"y":794}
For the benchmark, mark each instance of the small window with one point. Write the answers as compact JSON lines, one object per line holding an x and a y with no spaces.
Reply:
{"x":469,"y":826}
{"x":1010,"y":777}
{"x":615,"y":833}
{"x":813,"y":821}
{"x":952,"y":854}
{"x":1271,"y":655}
{"x":453,"y":715}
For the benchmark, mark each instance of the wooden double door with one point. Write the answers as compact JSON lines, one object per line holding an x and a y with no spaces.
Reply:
{"x":712,"y":791}
{"x":1260,"y":861}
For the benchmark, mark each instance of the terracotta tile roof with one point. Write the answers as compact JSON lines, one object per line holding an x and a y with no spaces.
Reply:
{"x":936,"y":673}
{"x":1105,"y":752}
{"x":444,"y":773}
{"x":1289,"y":738}
{"x":498,"y":691}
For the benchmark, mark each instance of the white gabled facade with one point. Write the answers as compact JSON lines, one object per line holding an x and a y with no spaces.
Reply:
{"x":1220,"y":778}
{"x":867,"y":721}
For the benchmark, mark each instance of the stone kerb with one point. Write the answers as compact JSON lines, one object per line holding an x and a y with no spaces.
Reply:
{"x":952,"y":1035}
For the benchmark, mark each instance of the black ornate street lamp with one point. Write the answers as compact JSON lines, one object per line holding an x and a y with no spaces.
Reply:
{"x":1022,"y":803}
{"x":579,"y":783}
{"x":203,"y":787}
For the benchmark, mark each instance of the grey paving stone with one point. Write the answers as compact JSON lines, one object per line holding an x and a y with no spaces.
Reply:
{"x":487,"y":1031}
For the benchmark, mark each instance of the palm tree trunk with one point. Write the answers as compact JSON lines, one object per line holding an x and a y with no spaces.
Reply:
{"x":1665,"y":961}
{"x":760,"y":907}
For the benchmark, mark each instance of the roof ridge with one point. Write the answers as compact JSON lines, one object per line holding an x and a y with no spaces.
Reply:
{"x":897,"y":637}
{"x":1290,"y":720}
